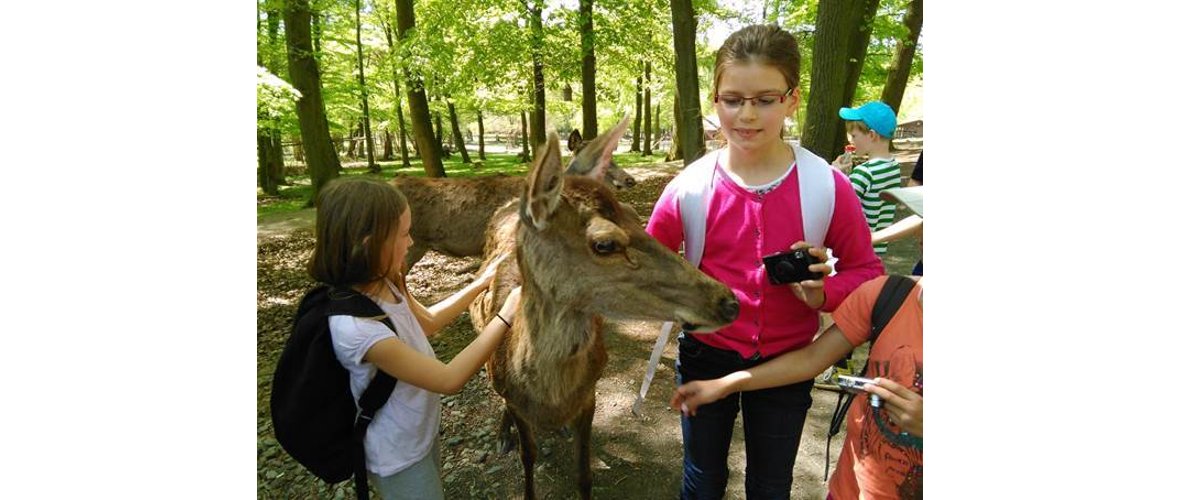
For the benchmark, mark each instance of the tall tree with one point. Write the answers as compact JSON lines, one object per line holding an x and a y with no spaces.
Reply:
{"x":360,"y":66}
{"x":537,"y":37}
{"x":456,"y":133}
{"x":479,"y":119}
{"x":589,"y":95}
{"x":438,"y":134}
{"x":322,"y":162}
{"x":397,"y":99}
{"x":419,"y":110}
{"x":266,"y":154}
{"x":647,"y":109}
{"x":638,"y":123}
{"x":688,"y":119}
{"x":903,"y":58}
{"x":863,"y":13}
{"x":524,"y":138}
{"x":674,"y":151}
{"x":829,"y":73}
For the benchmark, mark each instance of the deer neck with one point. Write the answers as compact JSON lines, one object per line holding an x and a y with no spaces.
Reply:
{"x":556,"y":330}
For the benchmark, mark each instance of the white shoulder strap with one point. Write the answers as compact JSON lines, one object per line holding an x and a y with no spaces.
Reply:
{"x":817,"y":195}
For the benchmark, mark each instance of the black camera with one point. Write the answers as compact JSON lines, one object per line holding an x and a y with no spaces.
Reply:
{"x":790,"y":267}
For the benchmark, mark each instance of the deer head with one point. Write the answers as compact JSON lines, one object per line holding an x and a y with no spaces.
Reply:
{"x":587,"y":155}
{"x":581,"y":251}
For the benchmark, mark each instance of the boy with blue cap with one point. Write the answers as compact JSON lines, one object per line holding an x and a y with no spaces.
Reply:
{"x":871,"y":126}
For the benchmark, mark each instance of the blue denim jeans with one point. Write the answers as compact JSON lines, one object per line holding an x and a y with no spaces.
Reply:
{"x":772,"y":418}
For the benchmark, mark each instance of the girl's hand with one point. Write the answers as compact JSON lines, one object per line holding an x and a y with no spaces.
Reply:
{"x":511,"y":304}
{"x":811,"y":292}
{"x":903,"y":405}
{"x":690,"y":396}
{"x":485,"y":279}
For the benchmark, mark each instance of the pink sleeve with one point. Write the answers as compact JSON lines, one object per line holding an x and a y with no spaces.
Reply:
{"x":664,"y":224}
{"x":850,"y":240}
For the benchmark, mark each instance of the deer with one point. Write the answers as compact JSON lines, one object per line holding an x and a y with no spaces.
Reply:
{"x":451,"y":215}
{"x":580,"y":257}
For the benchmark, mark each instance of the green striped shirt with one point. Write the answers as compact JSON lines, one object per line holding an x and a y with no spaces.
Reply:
{"x":869,"y":179}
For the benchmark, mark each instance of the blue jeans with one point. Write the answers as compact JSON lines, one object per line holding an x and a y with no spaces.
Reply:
{"x":772,"y":418}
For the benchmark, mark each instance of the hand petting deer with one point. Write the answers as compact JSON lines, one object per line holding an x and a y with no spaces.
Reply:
{"x":580,"y":257}
{"x":451,"y":215}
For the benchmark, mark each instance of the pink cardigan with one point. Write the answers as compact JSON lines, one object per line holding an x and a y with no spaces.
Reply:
{"x":742,"y":228}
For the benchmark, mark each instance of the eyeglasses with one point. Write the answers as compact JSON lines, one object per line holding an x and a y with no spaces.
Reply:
{"x":734,"y":102}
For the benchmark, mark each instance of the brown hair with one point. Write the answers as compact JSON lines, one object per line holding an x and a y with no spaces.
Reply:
{"x":764,"y":44}
{"x":858,"y":125}
{"x":354,"y":217}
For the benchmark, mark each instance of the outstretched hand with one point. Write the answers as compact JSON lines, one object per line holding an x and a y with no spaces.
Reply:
{"x":811,"y":292}
{"x":903,"y":405}
{"x":485,"y":279}
{"x":688,"y":397}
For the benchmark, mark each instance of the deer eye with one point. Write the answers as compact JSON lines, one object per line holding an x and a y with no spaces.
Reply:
{"x":605,"y":247}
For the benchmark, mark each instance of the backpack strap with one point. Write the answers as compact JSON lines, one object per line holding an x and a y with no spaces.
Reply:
{"x":346,"y":302}
{"x":889,"y":300}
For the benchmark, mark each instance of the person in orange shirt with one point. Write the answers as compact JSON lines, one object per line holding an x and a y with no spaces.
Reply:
{"x":882,"y":453}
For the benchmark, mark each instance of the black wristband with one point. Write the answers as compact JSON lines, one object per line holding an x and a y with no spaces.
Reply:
{"x":504,"y":320}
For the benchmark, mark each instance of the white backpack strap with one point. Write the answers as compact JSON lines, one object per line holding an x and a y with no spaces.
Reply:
{"x":817,"y":195}
{"x":694,"y":191}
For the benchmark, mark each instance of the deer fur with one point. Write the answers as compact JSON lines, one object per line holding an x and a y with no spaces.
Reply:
{"x":580,"y":257}
{"x":451,"y":215}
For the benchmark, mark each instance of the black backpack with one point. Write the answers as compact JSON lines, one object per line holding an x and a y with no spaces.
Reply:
{"x":892,"y":295}
{"x":311,"y":405}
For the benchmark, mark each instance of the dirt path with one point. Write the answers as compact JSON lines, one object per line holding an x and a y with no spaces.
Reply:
{"x":633,"y":456}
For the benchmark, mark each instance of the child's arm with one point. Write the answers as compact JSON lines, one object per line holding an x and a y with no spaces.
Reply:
{"x":401,"y":361}
{"x":789,"y":368}
{"x":441,"y":314}
{"x":901,"y":229}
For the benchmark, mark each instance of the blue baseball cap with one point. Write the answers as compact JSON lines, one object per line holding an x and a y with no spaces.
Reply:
{"x":877,"y":115}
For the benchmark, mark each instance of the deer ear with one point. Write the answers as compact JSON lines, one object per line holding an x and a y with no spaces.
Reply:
{"x":544,"y":184}
{"x":596,"y":156}
{"x":575,"y":141}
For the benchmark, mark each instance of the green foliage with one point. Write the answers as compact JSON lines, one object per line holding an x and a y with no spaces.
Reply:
{"x":276,"y":100}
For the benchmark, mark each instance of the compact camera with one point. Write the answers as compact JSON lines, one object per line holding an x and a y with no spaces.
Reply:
{"x":790,"y":267}
{"x":856,"y":385}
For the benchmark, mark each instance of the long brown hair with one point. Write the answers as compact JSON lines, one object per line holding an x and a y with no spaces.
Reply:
{"x":354,"y":217}
{"x":761,"y":43}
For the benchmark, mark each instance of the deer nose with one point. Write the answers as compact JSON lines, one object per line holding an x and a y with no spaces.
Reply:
{"x":629,"y":182}
{"x":729,"y":309}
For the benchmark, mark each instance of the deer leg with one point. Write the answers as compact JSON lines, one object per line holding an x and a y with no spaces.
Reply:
{"x":582,"y":449}
{"x":507,"y":444}
{"x":528,"y":454}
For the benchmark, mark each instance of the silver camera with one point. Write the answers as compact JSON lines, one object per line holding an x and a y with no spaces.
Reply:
{"x":855,"y":385}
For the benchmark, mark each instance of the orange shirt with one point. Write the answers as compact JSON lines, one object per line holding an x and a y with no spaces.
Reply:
{"x":875,"y":463}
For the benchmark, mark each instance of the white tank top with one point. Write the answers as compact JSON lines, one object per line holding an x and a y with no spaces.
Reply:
{"x":402,"y":431}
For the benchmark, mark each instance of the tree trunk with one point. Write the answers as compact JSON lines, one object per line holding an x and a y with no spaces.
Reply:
{"x":353,"y":138}
{"x":278,"y":169}
{"x":829,"y":72}
{"x":638,"y":123}
{"x":524,"y":137}
{"x":458,"y":135}
{"x":419,"y":112}
{"x":647,"y":109}
{"x":903,"y":58}
{"x":360,"y":65}
{"x":538,"y":74}
{"x":863,"y":12}
{"x":265,"y":147}
{"x":401,"y":126}
{"x":589,"y":94}
{"x":479,"y":119}
{"x":659,"y":133}
{"x":438,"y":135}
{"x":387,"y":147}
{"x":674,"y":152}
{"x":688,"y":119}
{"x":322,"y":162}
